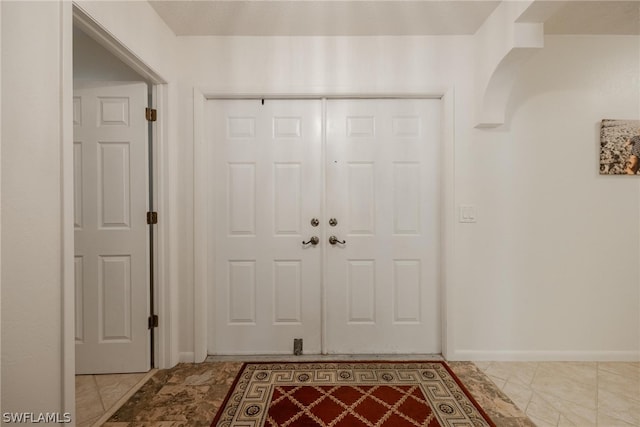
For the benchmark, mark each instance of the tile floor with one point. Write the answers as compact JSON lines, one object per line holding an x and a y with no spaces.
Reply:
{"x":581,"y":394}
{"x":98,"y":396}
{"x":549,"y":393}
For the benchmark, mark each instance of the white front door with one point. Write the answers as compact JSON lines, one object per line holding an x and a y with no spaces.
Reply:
{"x":111,"y":233}
{"x":382,"y":189}
{"x":375,"y":171}
{"x":266,"y":189}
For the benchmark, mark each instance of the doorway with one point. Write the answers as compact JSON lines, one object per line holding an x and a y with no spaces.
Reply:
{"x":361,"y":176}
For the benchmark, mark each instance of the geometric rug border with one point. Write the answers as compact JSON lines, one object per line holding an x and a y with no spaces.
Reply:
{"x":468,"y":394}
{"x":247,"y":365}
{"x":229,"y":394}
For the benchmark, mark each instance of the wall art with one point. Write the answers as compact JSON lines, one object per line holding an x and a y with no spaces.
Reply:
{"x":620,"y":147}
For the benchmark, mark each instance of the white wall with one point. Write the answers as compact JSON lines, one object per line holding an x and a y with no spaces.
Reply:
{"x":32,"y":138}
{"x":91,"y":61}
{"x":550,"y":269}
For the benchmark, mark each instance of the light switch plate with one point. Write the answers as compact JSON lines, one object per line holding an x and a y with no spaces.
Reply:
{"x":467,"y":213}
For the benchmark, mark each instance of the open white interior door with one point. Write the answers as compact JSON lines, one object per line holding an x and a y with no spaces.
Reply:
{"x":111,"y":233}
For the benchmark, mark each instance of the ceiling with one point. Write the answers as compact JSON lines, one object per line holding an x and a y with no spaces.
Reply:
{"x":596,"y":17}
{"x":379,"y":17}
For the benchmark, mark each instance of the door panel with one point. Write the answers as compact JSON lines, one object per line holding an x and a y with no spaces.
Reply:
{"x":266,"y":188}
{"x":111,"y":234}
{"x":382,"y":187}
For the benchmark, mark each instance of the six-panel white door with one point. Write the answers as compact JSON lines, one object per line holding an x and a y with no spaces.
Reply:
{"x":111,"y":233}
{"x":382,"y":187}
{"x":266,"y":188}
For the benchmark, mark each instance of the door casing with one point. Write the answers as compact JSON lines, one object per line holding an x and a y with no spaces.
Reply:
{"x":202,"y":275}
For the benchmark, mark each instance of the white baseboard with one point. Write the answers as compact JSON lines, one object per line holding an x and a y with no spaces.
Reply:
{"x":545,"y":356}
{"x":516,"y":356}
{"x":186,"y":357}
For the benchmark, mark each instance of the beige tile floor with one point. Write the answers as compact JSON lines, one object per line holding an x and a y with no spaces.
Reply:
{"x":98,"y":396}
{"x":581,"y":394}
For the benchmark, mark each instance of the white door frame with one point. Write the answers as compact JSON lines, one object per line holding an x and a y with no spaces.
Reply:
{"x":447,"y":198}
{"x":166,"y":339}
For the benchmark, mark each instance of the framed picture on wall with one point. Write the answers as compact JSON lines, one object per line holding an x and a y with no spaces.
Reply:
{"x":620,"y":147}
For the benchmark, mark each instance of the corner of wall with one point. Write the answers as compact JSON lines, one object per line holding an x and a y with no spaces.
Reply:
{"x":502,"y":46}
{"x":67,"y":228}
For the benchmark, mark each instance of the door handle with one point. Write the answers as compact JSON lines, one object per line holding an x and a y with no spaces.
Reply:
{"x":333,"y":240}
{"x":313,"y":241}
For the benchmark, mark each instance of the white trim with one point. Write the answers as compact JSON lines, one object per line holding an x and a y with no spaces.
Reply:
{"x":200,"y":229}
{"x":156,"y":133}
{"x":201,"y":232}
{"x":325,"y":94}
{"x":186,"y":357}
{"x":547,"y":356}
{"x":447,"y":210}
{"x":85,"y":22}
{"x":68,"y":367}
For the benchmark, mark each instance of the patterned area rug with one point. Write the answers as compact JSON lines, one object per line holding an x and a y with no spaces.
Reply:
{"x":392,"y":394}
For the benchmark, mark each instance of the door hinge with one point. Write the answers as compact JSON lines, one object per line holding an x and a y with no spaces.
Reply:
{"x":151,"y":114}
{"x":152,"y":218}
{"x":153,"y":321}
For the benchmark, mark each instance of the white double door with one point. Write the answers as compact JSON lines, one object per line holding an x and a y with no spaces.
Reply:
{"x":367,"y":170}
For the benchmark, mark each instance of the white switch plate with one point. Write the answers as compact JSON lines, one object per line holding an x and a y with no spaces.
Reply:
{"x":467,"y":213}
